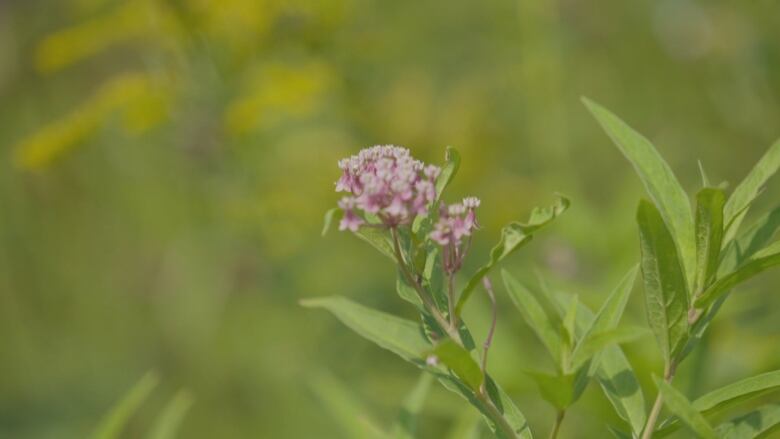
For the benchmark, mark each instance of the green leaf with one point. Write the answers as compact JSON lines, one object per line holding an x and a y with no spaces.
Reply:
{"x":534,"y":315}
{"x":606,"y":319}
{"x":378,"y":238}
{"x":466,"y":426}
{"x":749,"y":242}
{"x":513,"y":236}
{"x":168,"y":422}
{"x":666,"y":293}
{"x":328,"y":220}
{"x":344,"y":407}
{"x":448,"y":172}
{"x":405,"y":338}
{"x":760,"y":262}
{"x":709,"y":234}
{"x":401,"y":336}
{"x":567,"y":328}
{"x":600,"y":341}
{"x":501,"y":400}
{"x":619,"y":384}
{"x":680,"y":406}
{"x":738,"y":392}
{"x":615,"y":375}
{"x":730,"y":396}
{"x":406,"y":424}
{"x":112,"y":424}
{"x":459,"y":360}
{"x":747,"y":191}
{"x":758,"y":423}
{"x":558,"y":390}
{"x":658,"y":179}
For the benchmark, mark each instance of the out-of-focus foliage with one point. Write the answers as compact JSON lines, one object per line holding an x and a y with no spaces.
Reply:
{"x":167,"y":165}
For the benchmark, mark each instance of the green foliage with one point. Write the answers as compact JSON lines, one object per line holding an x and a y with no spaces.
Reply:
{"x":400,"y":336}
{"x":345,"y":408}
{"x":658,"y":178}
{"x":459,"y":360}
{"x":115,"y":421}
{"x":666,"y":292}
{"x":680,"y":406}
{"x":759,"y":423}
{"x":169,"y":421}
{"x":752,"y":267}
{"x":448,"y":172}
{"x":709,"y":234}
{"x":513,"y":236}
{"x":743,"y":196}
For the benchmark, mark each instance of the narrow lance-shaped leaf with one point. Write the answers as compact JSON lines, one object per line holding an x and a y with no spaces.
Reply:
{"x":756,"y":424}
{"x":658,"y":179}
{"x":606,"y":319}
{"x":167,"y":424}
{"x":405,"y":338}
{"x":513,"y":236}
{"x":666,"y":294}
{"x":760,"y":262}
{"x":400,"y":336}
{"x":534,"y":315}
{"x":558,"y":390}
{"x":747,"y":191}
{"x":730,"y":396}
{"x":680,"y":406}
{"x":379,"y":239}
{"x":112,"y":424}
{"x":459,"y":360}
{"x":600,"y":341}
{"x":709,"y":234}
{"x":448,"y":171}
{"x":615,"y":375}
{"x":406,"y":424}
{"x":749,"y":242}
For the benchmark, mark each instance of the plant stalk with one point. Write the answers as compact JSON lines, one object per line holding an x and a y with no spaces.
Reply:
{"x":649,"y":429}
{"x":452,"y":332}
{"x":558,"y":422}
{"x":497,"y":417}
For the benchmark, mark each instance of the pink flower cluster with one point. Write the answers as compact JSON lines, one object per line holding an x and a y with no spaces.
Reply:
{"x":385,"y":181}
{"x":456,"y":221}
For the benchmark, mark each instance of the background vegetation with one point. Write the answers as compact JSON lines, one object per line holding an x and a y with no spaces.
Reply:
{"x":166,"y":165}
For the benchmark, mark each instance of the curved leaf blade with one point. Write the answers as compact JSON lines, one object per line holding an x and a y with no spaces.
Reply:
{"x":534,"y":315}
{"x":680,"y":406}
{"x":747,"y":191}
{"x":459,"y":360}
{"x":167,"y":425}
{"x":758,"y":423}
{"x":513,"y":236}
{"x":657,"y":177}
{"x":607,"y":318}
{"x":749,"y":242}
{"x":400,"y":336}
{"x":112,"y":424}
{"x":755,"y":266}
{"x":448,"y":171}
{"x":666,"y":293}
{"x":709,"y":234}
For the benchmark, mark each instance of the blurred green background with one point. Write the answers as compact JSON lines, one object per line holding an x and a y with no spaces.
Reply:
{"x":166,"y":165}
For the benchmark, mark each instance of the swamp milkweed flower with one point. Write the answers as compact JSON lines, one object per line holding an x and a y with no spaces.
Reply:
{"x":385,"y":181}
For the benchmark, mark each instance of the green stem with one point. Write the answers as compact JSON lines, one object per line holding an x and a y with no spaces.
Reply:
{"x":652,"y":419}
{"x":452,"y":332}
{"x":497,"y":417}
{"x":557,"y":426}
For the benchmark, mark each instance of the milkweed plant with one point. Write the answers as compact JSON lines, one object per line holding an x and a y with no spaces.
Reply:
{"x":694,"y":253}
